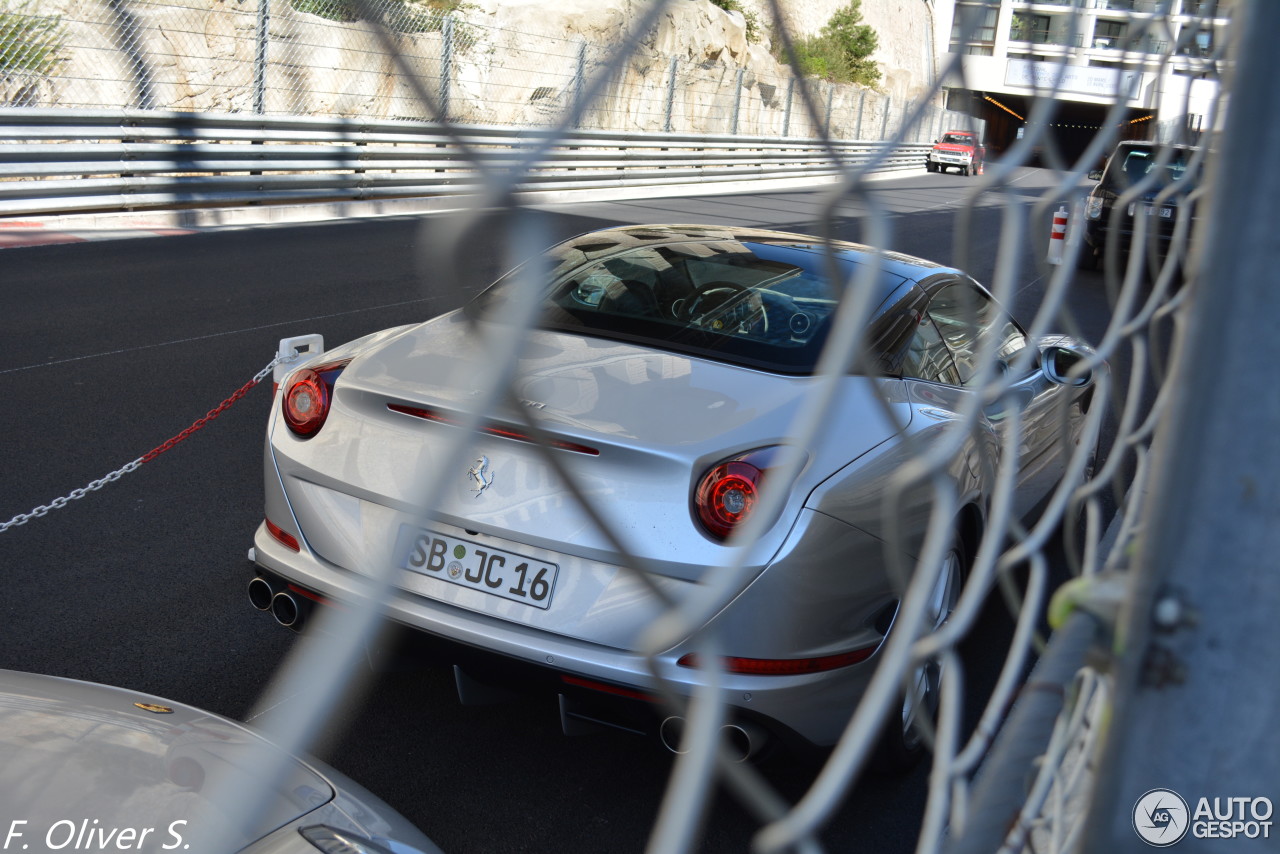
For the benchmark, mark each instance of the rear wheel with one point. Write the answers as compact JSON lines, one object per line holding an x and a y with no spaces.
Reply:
{"x":902,"y":741}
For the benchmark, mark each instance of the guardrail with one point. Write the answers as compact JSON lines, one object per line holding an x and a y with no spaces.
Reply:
{"x":55,"y":161}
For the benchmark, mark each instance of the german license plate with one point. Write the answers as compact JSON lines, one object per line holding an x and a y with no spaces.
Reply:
{"x":1163,"y":211}
{"x":479,"y":567}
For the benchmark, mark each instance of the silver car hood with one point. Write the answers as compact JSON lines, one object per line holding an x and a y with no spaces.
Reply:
{"x":659,"y":420}
{"x":78,"y":760}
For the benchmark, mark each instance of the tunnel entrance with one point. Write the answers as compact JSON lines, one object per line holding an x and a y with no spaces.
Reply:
{"x":1072,"y":125}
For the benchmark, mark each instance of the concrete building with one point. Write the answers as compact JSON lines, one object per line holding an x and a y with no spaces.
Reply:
{"x":1158,"y":61}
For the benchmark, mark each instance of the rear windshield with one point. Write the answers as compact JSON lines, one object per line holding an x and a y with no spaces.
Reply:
{"x":757,"y":304}
{"x":1131,"y":165}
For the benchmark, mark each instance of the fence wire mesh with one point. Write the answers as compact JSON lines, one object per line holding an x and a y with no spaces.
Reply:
{"x":400,"y":59}
{"x":385,"y":59}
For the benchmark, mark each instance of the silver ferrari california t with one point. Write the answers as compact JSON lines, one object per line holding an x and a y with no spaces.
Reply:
{"x":657,"y":393}
{"x":89,"y":767}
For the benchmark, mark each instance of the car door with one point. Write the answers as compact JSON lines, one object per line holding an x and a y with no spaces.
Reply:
{"x":966,"y":317}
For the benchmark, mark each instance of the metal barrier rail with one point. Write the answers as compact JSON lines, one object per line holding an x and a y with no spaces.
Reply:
{"x":78,"y":161}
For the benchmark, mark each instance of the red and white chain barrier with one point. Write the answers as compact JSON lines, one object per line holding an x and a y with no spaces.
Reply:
{"x":75,"y":494}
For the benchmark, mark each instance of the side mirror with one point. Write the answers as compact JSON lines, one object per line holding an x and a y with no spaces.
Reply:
{"x":1065,"y":366}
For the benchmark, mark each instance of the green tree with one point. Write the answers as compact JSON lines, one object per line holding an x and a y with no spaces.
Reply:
{"x":841,"y":50}
{"x":31,"y":49}
{"x":29,"y":42}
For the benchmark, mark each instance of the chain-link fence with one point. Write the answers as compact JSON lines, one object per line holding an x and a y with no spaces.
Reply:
{"x":399,"y":60}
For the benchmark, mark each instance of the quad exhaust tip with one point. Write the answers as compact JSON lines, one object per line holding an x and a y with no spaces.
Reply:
{"x":287,"y":610}
{"x":742,"y":740}
{"x":260,"y":593}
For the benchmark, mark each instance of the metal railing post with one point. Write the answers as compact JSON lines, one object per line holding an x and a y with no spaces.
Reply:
{"x":826,"y":121}
{"x":737,"y":101}
{"x":446,"y":66}
{"x":260,"y":57}
{"x":1197,"y":671}
{"x":671,"y":94}
{"x":580,"y":72}
{"x":126,"y":29}
{"x":786,"y":115}
{"x":862,"y":104}
{"x":884,"y":127}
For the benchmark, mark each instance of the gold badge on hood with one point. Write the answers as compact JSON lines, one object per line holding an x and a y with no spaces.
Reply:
{"x":154,"y":709}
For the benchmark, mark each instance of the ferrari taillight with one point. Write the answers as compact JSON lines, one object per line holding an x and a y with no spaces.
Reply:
{"x":727,"y":493}
{"x":307,"y":396}
{"x":786,"y":666}
{"x":283,"y":536}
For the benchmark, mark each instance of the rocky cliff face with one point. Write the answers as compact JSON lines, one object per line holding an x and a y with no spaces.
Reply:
{"x":698,"y":31}
{"x":514,"y":62}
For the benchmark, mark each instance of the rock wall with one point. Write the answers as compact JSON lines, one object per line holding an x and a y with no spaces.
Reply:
{"x":517,"y":62}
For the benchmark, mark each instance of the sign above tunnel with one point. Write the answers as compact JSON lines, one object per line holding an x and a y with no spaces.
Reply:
{"x":1081,"y":79}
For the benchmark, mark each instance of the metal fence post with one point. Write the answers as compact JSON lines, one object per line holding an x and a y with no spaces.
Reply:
{"x":1198,"y":675}
{"x":884,"y":126}
{"x":126,"y":29}
{"x":737,"y":100}
{"x":579,"y":77}
{"x":260,"y":57}
{"x":580,"y":72}
{"x":862,"y":103}
{"x":826,"y":121}
{"x":446,"y":66}
{"x":786,"y":115}
{"x":671,"y":94}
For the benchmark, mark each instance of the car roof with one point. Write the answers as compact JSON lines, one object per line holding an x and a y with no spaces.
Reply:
{"x":1149,"y":143}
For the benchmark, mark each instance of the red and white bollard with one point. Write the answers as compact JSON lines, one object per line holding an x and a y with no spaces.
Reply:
{"x":1058,"y":237}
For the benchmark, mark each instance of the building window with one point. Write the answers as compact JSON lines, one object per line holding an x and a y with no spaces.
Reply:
{"x":1195,"y":42}
{"x":1201,"y":8}
{"x":1029,"y":28}
{"x":974,"y":25}
{"x":1110,"y":34}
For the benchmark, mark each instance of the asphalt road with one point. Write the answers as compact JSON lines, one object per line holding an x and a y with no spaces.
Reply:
{"x":108,"y":349}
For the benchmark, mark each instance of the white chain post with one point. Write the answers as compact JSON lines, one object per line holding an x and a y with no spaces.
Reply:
{"x":293,"y":352}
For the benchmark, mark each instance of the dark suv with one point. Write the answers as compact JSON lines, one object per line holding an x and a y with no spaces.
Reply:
{"x":1138,"y":175}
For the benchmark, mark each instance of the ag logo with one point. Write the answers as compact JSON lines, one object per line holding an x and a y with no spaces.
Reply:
{"x":1161,"y":817}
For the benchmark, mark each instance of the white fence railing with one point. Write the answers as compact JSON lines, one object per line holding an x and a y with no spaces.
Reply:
{"x":78,"y":161}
